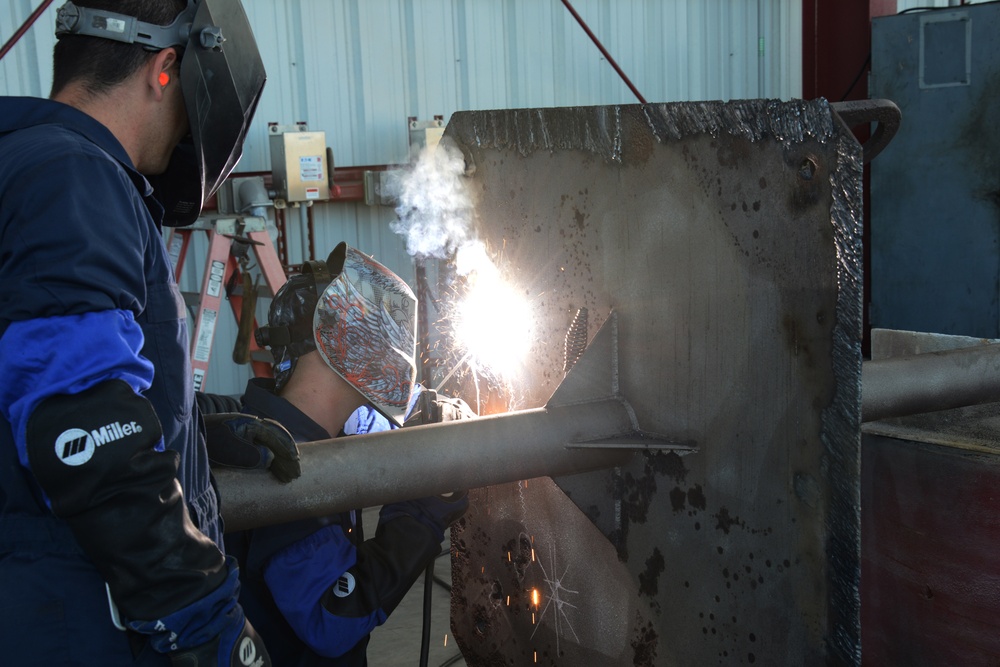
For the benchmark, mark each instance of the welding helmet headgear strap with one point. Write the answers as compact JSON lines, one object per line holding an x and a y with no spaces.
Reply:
{"x":222,"y":77}
{"x":289,"y":333}
{"x":90,"y":22}
{"x":365,"y":324}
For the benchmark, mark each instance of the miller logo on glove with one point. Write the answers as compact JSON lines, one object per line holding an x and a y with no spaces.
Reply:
{"x":237,"y":440}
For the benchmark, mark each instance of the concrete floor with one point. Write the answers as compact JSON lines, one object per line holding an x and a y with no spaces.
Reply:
{"x":397,"y":642}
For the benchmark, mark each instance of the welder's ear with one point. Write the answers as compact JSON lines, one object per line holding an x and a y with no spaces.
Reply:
{"x":161,"y":71}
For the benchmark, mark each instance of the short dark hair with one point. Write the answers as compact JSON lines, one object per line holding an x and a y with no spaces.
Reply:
{"x":101,"y":63}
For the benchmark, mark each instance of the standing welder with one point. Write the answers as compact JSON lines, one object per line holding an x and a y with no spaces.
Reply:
{"x":342,"y":335}
{"x":107,"y":512}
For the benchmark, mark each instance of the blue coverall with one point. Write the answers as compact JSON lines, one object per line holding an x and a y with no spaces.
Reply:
{"x":87,"y":295}
{"x":315,"y":588}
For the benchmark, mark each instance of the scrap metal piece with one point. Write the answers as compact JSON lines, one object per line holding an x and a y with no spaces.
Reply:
{"x":883,"y":112}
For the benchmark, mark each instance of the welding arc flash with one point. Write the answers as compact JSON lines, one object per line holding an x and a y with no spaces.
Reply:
{"x":494,"y":323}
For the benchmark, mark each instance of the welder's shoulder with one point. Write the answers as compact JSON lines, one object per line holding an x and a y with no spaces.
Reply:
{"x":52,"y":147}
{"x":44,"y":164}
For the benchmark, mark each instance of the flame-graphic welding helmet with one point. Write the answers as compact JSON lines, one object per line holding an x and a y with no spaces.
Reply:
{"x":360,"y":317}
{"x":221,"y":76}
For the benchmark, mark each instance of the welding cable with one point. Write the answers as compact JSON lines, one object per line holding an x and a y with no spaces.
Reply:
{"x":442,"y":583}
{"x":438,"y":580}
{"x":425,"y":634}
{"x":452,"y":660}
{"x":861,"y":72}
{"x":425,"y":630}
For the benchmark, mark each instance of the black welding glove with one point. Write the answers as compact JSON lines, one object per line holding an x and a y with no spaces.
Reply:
{"x":236,"y":440}
{"x":435,"y":512}
{"x":95,"y":454}
{"x":211,"y":404}
{"x":238,"y":647}
{"x":431,"y":408}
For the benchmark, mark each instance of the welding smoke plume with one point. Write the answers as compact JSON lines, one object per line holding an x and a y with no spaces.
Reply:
{"x":491,"y":325}
{"x":434,"y":211}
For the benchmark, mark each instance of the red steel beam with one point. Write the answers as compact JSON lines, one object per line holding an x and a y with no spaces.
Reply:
{"x":836,"y":48}
{"x":9,"y":44}
{"x":349,"y":182}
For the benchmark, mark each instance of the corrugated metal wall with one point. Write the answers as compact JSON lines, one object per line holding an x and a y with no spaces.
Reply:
{"x":357,"y":69}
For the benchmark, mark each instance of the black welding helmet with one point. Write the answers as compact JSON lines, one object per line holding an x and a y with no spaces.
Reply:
{"x":361,"y":318}
{"x":222,"y":77}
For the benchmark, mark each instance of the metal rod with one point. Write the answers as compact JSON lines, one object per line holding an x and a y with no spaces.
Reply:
{"x":604,"y":51}
{"x":415,"y":462}
{"x":928,"y":382}
{"x":423,"y":326}
{"x":304,"y":230}
{"x":9,"y":44}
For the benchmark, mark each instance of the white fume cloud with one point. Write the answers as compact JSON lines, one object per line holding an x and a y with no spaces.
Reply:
{"x":434,"y":211}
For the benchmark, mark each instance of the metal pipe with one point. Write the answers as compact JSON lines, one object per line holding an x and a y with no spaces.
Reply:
{"x":9,"y":44}
{"x":415,"y":462}
{"x":927,"y":382}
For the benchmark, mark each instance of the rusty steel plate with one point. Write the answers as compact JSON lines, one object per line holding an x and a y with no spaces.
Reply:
{"x":726,"y":237}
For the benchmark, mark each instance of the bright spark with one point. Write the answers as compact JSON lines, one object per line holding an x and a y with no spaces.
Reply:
{"x":494,"y":321}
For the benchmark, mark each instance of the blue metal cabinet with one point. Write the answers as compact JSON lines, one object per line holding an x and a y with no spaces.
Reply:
{"x":935,"y":191}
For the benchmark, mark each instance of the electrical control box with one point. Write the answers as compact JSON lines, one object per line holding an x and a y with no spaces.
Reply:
{"x":299,"y":166}
{"x":424,"y":134}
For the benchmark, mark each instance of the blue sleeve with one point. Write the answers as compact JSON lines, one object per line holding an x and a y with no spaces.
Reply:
{"x":73,"y":237}
{"x":66,"y":355}
{"x":300,"y":576}
{"x":367,"y":420}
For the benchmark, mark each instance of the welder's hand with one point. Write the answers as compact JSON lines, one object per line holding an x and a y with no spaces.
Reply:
{"x":431,"y":408}
{"x":236,"y":440}
{"x":435,"y":512}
